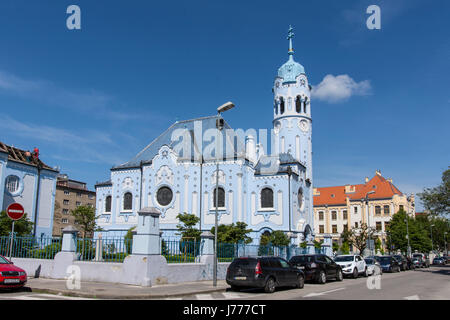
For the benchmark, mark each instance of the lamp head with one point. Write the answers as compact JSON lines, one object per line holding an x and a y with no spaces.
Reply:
{"x":226,"y":106}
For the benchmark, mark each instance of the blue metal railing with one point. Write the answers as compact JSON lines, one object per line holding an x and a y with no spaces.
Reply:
{"x":103,"y":249}
{"x":30,"y":247}
{"x":180,"y":251}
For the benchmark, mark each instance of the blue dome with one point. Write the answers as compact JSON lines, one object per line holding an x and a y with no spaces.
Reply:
{"x":290,"y":70}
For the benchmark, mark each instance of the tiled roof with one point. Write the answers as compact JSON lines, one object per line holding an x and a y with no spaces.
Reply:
{"x":337,"y":195}
{"x":18,"y":155}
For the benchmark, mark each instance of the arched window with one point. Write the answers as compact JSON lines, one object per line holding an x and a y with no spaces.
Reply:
{"x":298,"y":104}
{"x":12,"y":183}
{"x":281,"y":105}
{"x":108,"y":204}
{"x":266,"y":198}
{"x":304,"y":104}
{"x":128,"y":201}
{"x":221,"y":199}
{"x":300,"y":198}
{"x":275,"y":107}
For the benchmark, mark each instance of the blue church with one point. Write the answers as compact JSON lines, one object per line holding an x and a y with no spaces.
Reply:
{"x":177,"y":172}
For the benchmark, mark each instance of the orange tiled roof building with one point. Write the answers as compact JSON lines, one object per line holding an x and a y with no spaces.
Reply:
{"x":345,"y":207}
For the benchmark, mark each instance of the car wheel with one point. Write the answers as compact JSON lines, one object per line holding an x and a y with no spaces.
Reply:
{"x":355,"y":273}
{"x":339,"y":275}
{"x":300,"y":282}
{"x":270,"y":285}
{"x":322,"y":277}
{"x":366,"y":273}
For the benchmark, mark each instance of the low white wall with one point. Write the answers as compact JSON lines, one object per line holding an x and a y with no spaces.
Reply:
{"x":35,"y":267}
{"x":101,"y":271}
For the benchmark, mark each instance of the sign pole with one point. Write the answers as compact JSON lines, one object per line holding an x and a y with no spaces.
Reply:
{"x":12,"y":242}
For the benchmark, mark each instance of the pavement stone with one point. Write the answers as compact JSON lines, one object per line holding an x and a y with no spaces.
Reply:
{"x":101,"y":290}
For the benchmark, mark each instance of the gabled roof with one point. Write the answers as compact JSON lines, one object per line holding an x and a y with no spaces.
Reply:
{"x":338,"y":196}
{"x":18,"y":155}
{"x":150,"y":151}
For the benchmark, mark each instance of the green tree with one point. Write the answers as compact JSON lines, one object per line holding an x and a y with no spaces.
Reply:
{"x":358,"y":237}
{"x":187,"y":227}
{"x":304,"y":245}
{"x":437,"y":200}
{"x":128,"y":239}
{"x":233,"y":233}
{"x":22,"y":227}
{"x":279,"y":239}
{"x":318,"y":244}
{"x":378,"y":245}
{"x":86,"y":219}
{"x":345,"y":248}
{"x":335,"y":246}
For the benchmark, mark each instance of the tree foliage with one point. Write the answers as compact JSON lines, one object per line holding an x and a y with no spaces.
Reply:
{"x":358,"y":237}
{"x":187,"y":228}
{"x":86,"y":219}
{"x":233,"y":233}
{"x":22,"y":227}
{"x":437,"y":200}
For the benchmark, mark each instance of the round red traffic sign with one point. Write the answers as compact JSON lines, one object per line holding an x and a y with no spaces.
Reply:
{"x":15,"y":211}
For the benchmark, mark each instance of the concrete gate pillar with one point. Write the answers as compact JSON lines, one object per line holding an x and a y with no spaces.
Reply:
{"x":327,"y":245}
{"x":67,"y":255}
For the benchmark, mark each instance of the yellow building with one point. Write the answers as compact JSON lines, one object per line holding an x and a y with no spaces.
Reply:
{"x":345,"y":207}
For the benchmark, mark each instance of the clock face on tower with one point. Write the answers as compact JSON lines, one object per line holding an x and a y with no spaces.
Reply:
{"x":304,"y":125}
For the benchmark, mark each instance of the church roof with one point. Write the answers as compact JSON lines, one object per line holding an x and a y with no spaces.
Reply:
{"x":338,"y":195}
{"x":290,"y":70}
{"x":209,"y":122}
{"x":18,"y":155}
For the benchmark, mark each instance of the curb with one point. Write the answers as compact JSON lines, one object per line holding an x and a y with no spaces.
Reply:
{"x":106,"y":296}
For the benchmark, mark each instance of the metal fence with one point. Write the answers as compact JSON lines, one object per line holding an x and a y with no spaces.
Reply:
{"x":180,"y":251}
{"x":103,"y":249}
{"x":30,"y":247}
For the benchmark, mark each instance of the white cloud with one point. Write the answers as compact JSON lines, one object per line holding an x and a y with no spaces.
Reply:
{"x":334,"y":89}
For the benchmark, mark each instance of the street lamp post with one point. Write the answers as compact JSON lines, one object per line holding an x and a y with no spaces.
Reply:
{"x":368,"y":220}
{"x":407,"y":230}
{"x":219,"y":127}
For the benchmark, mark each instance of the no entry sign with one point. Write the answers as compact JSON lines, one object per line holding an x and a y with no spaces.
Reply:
{"x":15,"y":211}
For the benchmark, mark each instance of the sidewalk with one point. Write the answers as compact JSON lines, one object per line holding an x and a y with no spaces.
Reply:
{"x":102,"y":290}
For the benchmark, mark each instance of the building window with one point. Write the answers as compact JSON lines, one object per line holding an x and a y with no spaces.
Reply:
{"x":386,"y":210}
{"x":300,"y":198}
{"x":333,"y":215}
{"x":108,"y":204}
{"x":321,"y":229}
{"x":356,"y":224}
{"x":334,"y":228}
{"x":266,"y":198}
{"x":378,"y":226}
{"x":355,"y":210}
{"x":91,"y":196}
{"x":78,"y":194}
{"x":128,"y":201}
{"x":66,"y":202}
{"x":386,"y":225}
{"x":304,"y":104}
{"x":65,"y":211}
{"x":164,"y":196}
{"x":321,"y":215}
{"x":66,"y":192}
{"x":377,"y":210}
{"x":65,"y":220}
{"x":281,"y":105}
{"x":78,"y":203}
{"x":275,"y":106}
{"x":221,"y":196}
{"x":298,"y":104}
{"x":345,"y":227}
{"x":12,"y":183}
{"x":401,"y":207}
{"x":344,"y":215}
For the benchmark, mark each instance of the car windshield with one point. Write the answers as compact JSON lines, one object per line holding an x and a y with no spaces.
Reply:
{"x":385,"y":259}
{"x":417,"y":255}
{"x":343,"y":258}
{"x":398,"y":257}
{"x":369,"y":261}
{"x":3,"y":260}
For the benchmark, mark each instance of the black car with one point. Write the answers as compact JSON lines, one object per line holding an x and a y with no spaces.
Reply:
{"x":411,"y":265}
{"x":263,"y":272}
{"x":317,"y":267}
{"x":401,"y":261}
{"x":388,"y":264}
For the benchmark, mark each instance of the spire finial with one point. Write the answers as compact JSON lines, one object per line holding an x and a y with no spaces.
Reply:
{"x":289,"y":37}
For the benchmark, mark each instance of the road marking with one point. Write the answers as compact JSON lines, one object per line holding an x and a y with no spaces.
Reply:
{"x":315,"y":294}
{"x":44,"y":296}
{"x":415,"y":297}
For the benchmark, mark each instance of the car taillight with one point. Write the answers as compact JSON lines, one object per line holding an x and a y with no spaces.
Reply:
{"x":258,"y":269}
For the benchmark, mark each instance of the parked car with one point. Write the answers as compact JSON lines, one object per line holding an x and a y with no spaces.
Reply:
{"x":411,"y":265}
{"x":389,"y":264}
{"x":263,"y":272}
{"x":401,"y":261}
{"x":418,"y":262}
{"x":352,"y":265}
{"x":425,"y":262}
{"x":373,"y":266}
{"x":10,"y":275}
{"x":446,"y":258}
{"x":317,"y":267}
{"x":439,"y":261}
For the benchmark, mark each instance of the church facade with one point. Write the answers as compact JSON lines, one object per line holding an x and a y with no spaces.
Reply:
{"x":177,"y":172}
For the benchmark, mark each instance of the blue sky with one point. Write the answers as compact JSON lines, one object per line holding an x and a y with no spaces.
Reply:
{"x":94,"y":97}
